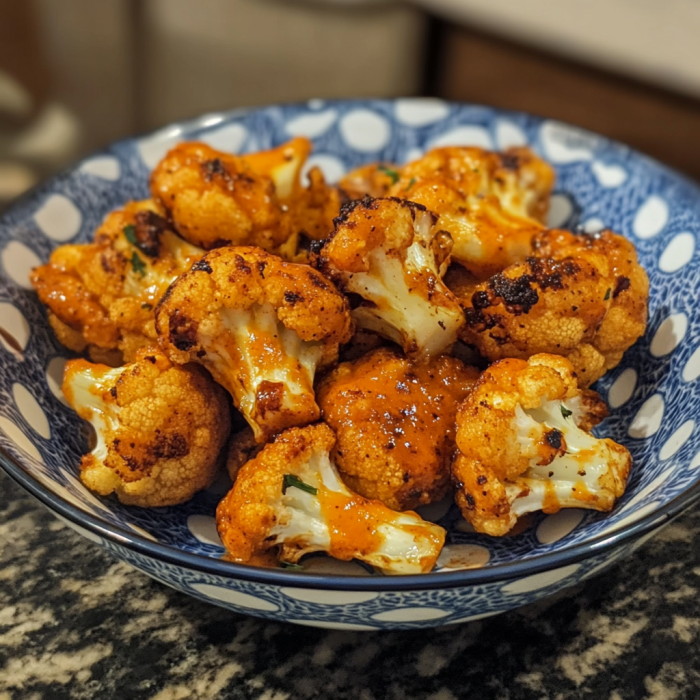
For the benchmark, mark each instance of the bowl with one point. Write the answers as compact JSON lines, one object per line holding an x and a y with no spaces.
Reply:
{"x":654,"y":394}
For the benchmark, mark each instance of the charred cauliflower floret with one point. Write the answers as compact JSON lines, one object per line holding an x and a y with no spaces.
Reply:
{"x":101,"y":295}
{"x":394,"y":422}
{"x":389,"y":254}
{"x":159,"y":427}
{"x":524,"y":445}
{"x":626,"y":319}
{"x":588,"y":302}
{"x":541,"y":305}
{"x":261,"y":326}
{"x":490,"y":203}
{"x":290,"y":497}
{"x":216,"y":199}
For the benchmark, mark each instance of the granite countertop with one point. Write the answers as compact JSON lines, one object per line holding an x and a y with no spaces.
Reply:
{"x":76,"y":623}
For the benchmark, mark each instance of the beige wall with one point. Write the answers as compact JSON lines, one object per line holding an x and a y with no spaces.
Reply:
{"x":214,"y":54}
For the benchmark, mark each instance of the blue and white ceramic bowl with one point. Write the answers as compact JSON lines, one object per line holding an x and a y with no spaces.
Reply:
{"x":654,"y":394}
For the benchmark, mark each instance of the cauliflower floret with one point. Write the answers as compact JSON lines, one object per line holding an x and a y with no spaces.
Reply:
{"x":587,"y":301}
{"x":101,"y":295}
{"x":490,"y":203}
{"x":389,"y":253}
{"x":261,"y":326}
{"x":523,"y":445}
{"x":626,"y":319}
{"x":160,"y":428}
{"x":541,"y":305}
{"x":216,"y":199}
{"x":394,"y":422}
{"x":290,"y":496}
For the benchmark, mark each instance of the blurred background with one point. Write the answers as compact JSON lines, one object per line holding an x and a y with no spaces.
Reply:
{"x":76,"y":74}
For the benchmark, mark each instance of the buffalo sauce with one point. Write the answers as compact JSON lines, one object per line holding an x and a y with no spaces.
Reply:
{"x":550,"y":502}
{"x":353,"y":524}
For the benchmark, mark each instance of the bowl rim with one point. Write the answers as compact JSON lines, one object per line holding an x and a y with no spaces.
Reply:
{"x":504,"y":571}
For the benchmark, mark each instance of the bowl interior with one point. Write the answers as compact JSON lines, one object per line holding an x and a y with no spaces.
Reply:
{"x":653,"y":394}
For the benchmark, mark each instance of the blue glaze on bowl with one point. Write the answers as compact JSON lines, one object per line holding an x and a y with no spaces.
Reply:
{"x":654,"y":393}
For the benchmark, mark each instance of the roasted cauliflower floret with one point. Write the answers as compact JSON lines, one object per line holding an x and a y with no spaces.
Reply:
{"x":290,"y":497}
{"x":101,"y":295}
{"x":160,"y":428}
{"x":394,"y":422}
{"x":626,"y":319}
{"x":216,"y":199}
{"x":541,"y":305}
{"x":523,"y":445}
{"x":588,"y":302}
{"x":261,"y":326}
{"x":490,"y":203}
{"x":389,"y":253}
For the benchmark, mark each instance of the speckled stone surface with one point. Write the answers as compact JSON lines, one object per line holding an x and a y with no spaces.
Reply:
{"x":75,"y":623}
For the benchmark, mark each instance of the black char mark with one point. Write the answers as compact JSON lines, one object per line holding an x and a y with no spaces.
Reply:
{"x":623,"y":283}
{"x":183,"y":331}
{"x":202,"y":266}
{"x":518,"y":295}
{"x":148,"y":229}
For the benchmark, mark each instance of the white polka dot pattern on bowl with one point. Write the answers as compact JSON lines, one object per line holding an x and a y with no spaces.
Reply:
{"x":566,"y":144}
{"x":464,"y":136}
{"x":229,"y":139}
{"x":691,"y":370}
{"x":421,"y":112}
{"x":203,"y":527}
{"x":539,"y":581}
{"x":411,"y":614}
{"x":59,"y":218}
{"x":560,"y":210}
{"x":312,"y":125}
{"x":635,"y":515}
{"x":509,"y":135}
{"x":677,"y":440}
{"x":593,"y":225}
{"x":622,"y":389}
{"x":648,"y":418}
{"x":558,"y":525}
{"x":313,"y":595}
{"x":105,"y":167}
{"x":678,"y":253}
{"x":365,"y":131}
{"x":236,"y":598}
{"x":608,"y":175}
{"x":463,"y":556}
{"x":54,"y":377}
{"x":651,"y":218}
{"x":18,"y":261}
{"x":14,"y":330}
{"x":19,"y":439}
{"x":332,"y":168}
{"x":31,"y":411}
{"x":669,"y":334}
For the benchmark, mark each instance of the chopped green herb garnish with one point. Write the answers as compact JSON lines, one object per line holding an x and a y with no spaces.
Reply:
{"x":138,"y":265}
{"x":148,"y":307}
{"x":607,"y":295}
{"x":289,"y":565}
{"x":565,"y":411}
{"x":291,"y":480}
{"x":130,"y":233}
{"x":411,"y":182}
{"x":389,"y":172}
